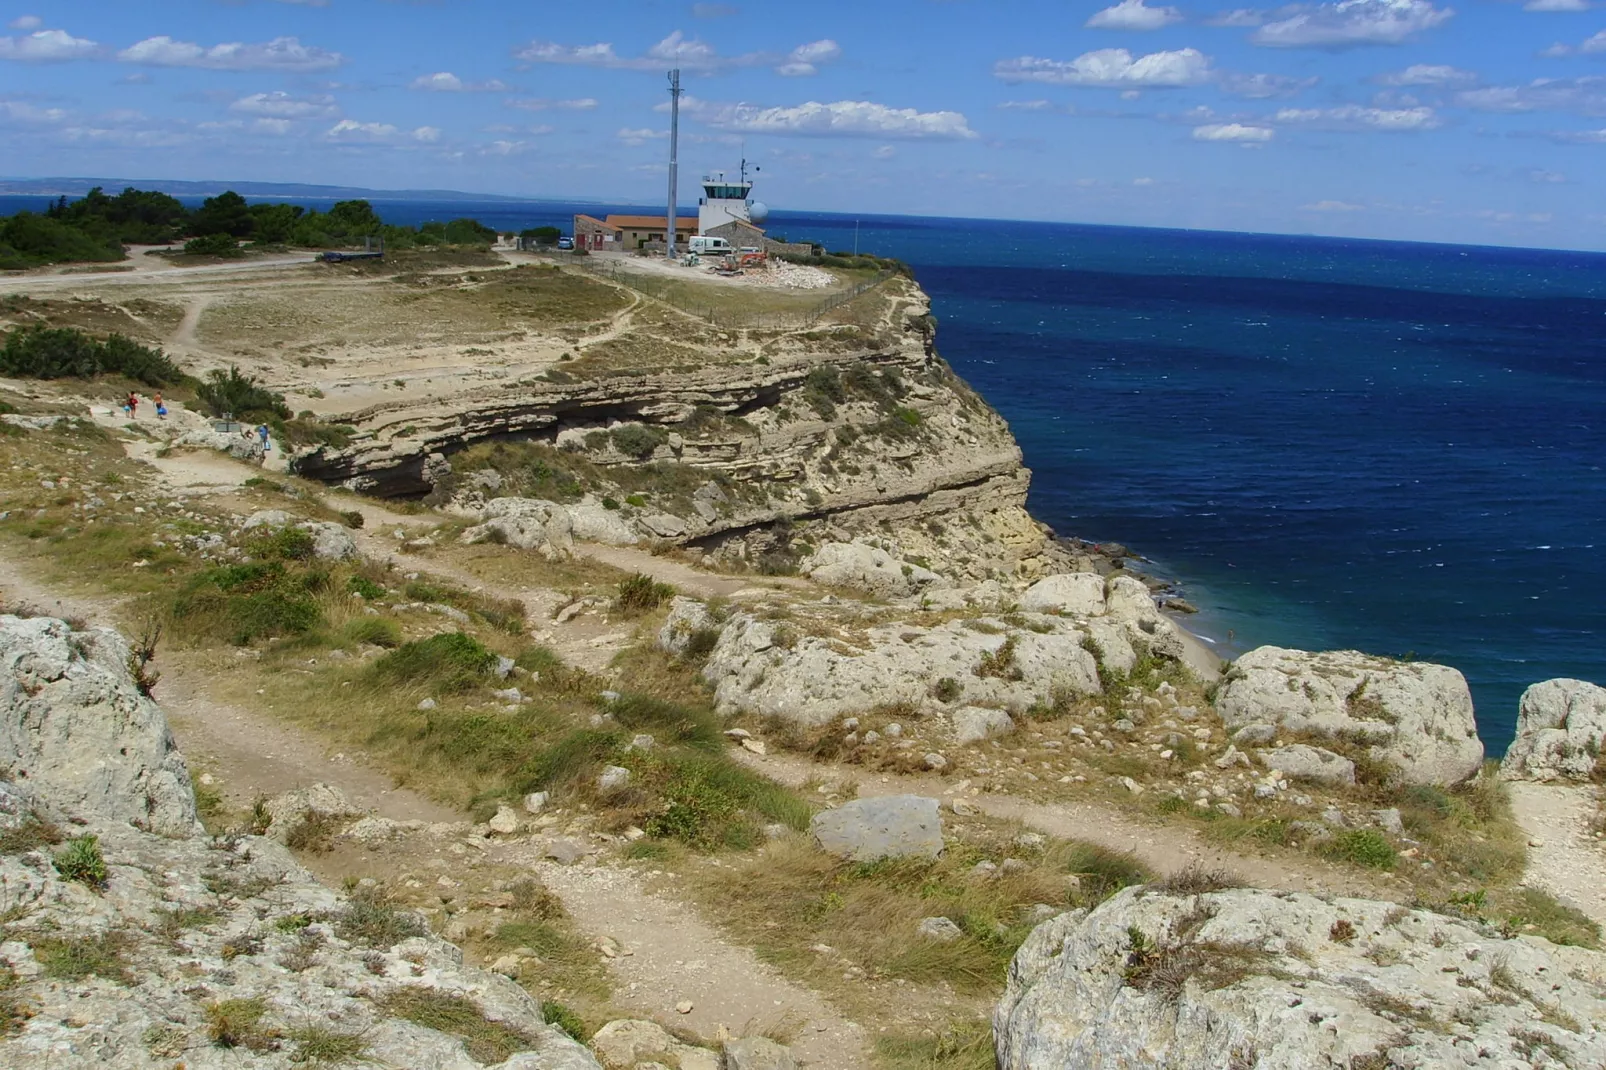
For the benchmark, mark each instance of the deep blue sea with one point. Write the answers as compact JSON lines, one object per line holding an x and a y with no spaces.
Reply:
{"x":1330,"y":444}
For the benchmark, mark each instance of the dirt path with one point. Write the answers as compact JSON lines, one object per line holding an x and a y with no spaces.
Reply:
{"x":675,"y":956}
{"x":1565,"y":858}
{"x":1164,"y":848}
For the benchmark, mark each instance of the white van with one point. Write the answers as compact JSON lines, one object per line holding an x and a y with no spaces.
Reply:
{"x":704,"y":245}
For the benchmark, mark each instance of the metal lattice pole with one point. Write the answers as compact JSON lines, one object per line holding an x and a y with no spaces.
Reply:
{"x":674,"y":154}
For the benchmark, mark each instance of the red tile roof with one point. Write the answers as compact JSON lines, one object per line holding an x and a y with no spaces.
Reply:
{"x":686,"y":225}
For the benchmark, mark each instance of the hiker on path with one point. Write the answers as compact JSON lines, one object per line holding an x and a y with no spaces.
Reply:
{"x":262,"y":430}
{"x":161,"y":409}
{"x":132,"y":404}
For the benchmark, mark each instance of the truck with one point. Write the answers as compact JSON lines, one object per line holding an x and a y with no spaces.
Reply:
{"x":706,"y":245}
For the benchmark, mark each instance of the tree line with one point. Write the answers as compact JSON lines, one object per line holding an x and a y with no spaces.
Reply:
{"x":97,"y":226}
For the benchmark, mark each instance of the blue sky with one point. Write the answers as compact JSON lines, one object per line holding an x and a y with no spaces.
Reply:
{"x":1482,"y":121}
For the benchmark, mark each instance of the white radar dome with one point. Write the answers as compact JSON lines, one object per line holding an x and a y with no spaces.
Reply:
{"x":758,"y":211}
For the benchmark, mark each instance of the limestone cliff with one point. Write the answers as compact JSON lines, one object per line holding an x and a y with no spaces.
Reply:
{"x":850,"y":427}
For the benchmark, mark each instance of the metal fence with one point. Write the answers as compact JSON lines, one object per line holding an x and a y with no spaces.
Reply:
{"x":665,"y":290}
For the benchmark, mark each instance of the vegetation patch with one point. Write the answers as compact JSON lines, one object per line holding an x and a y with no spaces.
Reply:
{"x":237,"y":1023}
{"x":451,"y":662}
{"x":487,"y":1042}
{"x":81,"y":860}
{"x":371,"y":920}
{"x":642,"y":594}
{"x":67,"y":353}
{"x":73,"y":958}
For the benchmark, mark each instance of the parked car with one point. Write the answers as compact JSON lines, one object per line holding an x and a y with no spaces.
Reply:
{"x":565,"y":243}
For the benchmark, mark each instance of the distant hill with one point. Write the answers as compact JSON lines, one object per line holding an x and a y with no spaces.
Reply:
{"x":77,"y":187}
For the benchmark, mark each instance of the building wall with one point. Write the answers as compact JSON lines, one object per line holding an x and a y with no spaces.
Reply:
{"x":594,"y":234}
{"x":740,"y":234}
{"x":713,"y":214}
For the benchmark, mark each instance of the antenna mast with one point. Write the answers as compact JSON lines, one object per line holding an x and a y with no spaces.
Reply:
{"x":674,"y":154}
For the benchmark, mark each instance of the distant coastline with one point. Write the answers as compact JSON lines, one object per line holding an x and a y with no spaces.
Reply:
{"x":77,"y":187}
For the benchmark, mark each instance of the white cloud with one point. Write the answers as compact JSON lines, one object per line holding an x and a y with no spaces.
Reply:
{"x":26,"y":22}
{"x":1111,"y":68}
{"x":1234,"y":132}
{"x":1238,"y":18}
{"x":126,"y":136}
{"x":1590,"y":45}
{"x":1143,"y":181}
{"x":281,"y":105}
{"x":276,"y":127}
{"x":842,"y":118}
{"x":1556,"y":5}
{"x":1587,"y":96}
{"x":447,"y":82}
{"x":1430,"y":74}
{"x":279,"y":54}
{"x":641,"y":135}
{"x":1546,"y":178}
{"x":1332,"y":206}
{"x":678,"y":50}
{"x":350,"y":130}
{"x":1351,"y":23}
{"x":1354,"y":116}
{"x":1133,"y":15}
{"x":884,"y":152}
{"x":1026,"y":105}
{"x":1264,"y":86}
{"x":543,"y":104}
{"x":46,"y":46}
{"x":19,"y":111}
{"x":805,"y":60}
{"x":1493,"y":216}
{"x":1579,"y":137}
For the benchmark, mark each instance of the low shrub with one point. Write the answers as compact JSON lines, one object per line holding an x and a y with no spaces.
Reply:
{"x":638,"y":440}
{"x":565,"y":1019}
{"x":75,"y":958}
{"x":449,"y":662}
{"x":316,"y":1045}
{"x":68,"y":353}
{"x":641,"y":594}
{"x":241,"y":395}
{"x":372,"y":921}
{"x":82,"y":861}
{"x":237,"y":1023}
{"x":375,"y":631}
{"x":31,"y":834}
{"x":1363,"y":847}
{"x":487,"y":1042}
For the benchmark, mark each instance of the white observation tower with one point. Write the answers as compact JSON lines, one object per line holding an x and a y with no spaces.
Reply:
{"x":726,"y":201}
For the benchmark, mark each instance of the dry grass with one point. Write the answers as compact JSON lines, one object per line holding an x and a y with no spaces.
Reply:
{"x":487,"y":1041}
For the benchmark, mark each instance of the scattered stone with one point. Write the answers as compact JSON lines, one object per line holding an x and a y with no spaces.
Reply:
{"x":972,"y":724}
{"x":963,"y":807}
{"x":895,"y":826}
{"x":756,"y":746}
{"x":757,"y":1053}
{"x":1255,"y":735}
{"x":526,"y":524}
{"x":564,"y":852}
{"x":685,"y":1006}
{"x":935,"y":762}
{"x":1300,"y":761}
{"x":536,"y":801}
{"x":1075,"y":594}
{"x":870,"y":568}
{"x":1389,"y":821}
{"x":642,"y":742}
{"x":1132,"y":785}
{"x":939,"y":929}
{"x":613,"y":778}
{"x":288,"y":811}
{"x":505,"y":822}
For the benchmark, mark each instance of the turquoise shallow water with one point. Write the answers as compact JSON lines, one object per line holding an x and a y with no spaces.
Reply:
{"x":1397,"y":448}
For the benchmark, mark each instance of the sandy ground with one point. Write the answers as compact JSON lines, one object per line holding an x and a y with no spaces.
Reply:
{"x":1565,"y":856}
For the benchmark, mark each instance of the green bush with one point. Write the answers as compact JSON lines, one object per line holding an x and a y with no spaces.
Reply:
{"x":641,"y":593}
{"x":241,"y":395}
{"x":638,"y":440}
{"x":565,"y":1019}
{"x":370,"y":920}
{"x":68,"y":353}
{"x":80,"y":860}
{"x":1364,"y":847}
{"x":213,"y":245}
{"x":450,"y":662}
{"x":376,"y":631}
{"x":367,"y":588}
{"x":486,"y":1041}
{"x":75,"y":958}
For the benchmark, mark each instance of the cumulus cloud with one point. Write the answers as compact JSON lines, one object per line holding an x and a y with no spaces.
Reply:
{"x":20,"y":111}
{"x":1430,"y":74}
{"x":1263,"y":86}
{"x":1113,"y":68}
{"x":1239,"y":132}
{"x":1350,"y":24}
{"x":26,"y":22}
{"x":1332,"y":206}
{"x":279,"y":54}
{"x":1240,"y":18}
{"x":805,"y":60}
{"x":1556,"y":5}
{"x":678,"y":50}
{"x":1356,"y":117}
{"x":350,"y":130}
{"x":447,"y":82}
{"x":842,"y":118}
{"x":1578,"y":137}
{"x":1586,"y":96}
{"x":281,"y":105}
{"x":45,"y":46}
{"x":544,"y":104}
{"x":1595,"y":44}
{"x":1133,"y":15}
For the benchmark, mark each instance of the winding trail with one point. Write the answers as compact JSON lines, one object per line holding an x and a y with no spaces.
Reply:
{"x":1565,"y":856}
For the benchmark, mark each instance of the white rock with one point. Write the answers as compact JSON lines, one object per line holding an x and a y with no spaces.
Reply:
{"x":940,"y":929}
{"x":870,"y":568}
{"x":1417,"y":716}
{"x":287,"y":811}
{"x":330,"y":542}
{"x":972,"y":724}
{"x":505,"y":822}
{"x":894,"y":826}
{"x":1075,"y":594}
{"x":593,"y":522}
{"x":75,"y":728}
{"x":1315,"y":764}
{"x":526,"y":524}
{"x":1561,"y":730}
{"x":536,"y":801}
{"x":1260,"y":973}
{"x":757,"y":1053}
{"x":613,"y":778}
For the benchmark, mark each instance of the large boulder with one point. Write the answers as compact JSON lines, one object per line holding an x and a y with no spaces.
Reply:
{"x":894,"y":826}
{"x":768,"y":667}
{"x":687,"y":619}
{"x":320,"y":802}
{"x":869,"y":568}
{"x":630,"y":1043}
{"x":527,"y":524}
{"x":1075,"y":594}
{"x":1561,"y":729}
{"x":76,"y":729}
{"x":236,"y":445}
{"x":330,"y":542}
{"x":1157,"y":981}
{"x":594,"y":522}
{"x":1314,"y":764}
{"x":1417,"y":717}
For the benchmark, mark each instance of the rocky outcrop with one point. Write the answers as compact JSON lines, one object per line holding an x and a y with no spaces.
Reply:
{"x":1313,"y":764}
{"x":1414,"y":716}
{"x":1561,"y":729}
{"x":526,"y":524}
{"x":212,"y":954}
{"x":76,"y":729}
{"x":1157,"y":981}
{"x":894,"y":826}
{"x":330,"y":542}
{"x":1075,"y":594}
{"x":869,"y":568}
{"x":236,"y":445}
